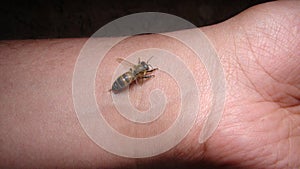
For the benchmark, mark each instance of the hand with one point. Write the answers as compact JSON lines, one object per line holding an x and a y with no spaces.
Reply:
{"x":260,"y":50}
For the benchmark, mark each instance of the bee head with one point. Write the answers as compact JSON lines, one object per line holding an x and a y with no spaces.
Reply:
{"x":145,"y":65}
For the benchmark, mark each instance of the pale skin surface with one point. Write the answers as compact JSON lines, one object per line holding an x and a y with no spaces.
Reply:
{"x":260,"y":128}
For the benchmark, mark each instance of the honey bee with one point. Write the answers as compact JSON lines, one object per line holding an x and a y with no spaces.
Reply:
{"x":137,"y":72}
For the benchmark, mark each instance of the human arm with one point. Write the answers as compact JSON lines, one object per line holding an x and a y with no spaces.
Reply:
{"x":260,"y":124}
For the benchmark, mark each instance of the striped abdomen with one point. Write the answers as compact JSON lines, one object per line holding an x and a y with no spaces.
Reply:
{"x":123,"y":81}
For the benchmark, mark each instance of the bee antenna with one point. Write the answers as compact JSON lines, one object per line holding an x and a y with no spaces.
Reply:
{"x":149,"y":59}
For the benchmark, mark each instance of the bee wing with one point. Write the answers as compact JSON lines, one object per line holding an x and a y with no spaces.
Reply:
{"x":123,"y":61}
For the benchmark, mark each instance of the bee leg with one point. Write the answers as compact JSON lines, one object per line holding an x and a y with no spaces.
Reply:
{"x":142,"y":78}
{"x":148,"y":76}
{"x":152,"y":70}
{"x":139,"y":81}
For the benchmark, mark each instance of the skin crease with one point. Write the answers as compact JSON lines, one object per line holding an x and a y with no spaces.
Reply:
{"x":260,"y":127}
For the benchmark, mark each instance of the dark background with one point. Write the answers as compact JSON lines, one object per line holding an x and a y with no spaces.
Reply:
{"x":35,"y":19}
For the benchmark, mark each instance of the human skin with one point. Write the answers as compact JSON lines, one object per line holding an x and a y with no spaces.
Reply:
{"x":260,"y":126}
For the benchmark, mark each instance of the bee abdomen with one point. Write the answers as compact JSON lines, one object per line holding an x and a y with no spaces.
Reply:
{"x":122,"y":81}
